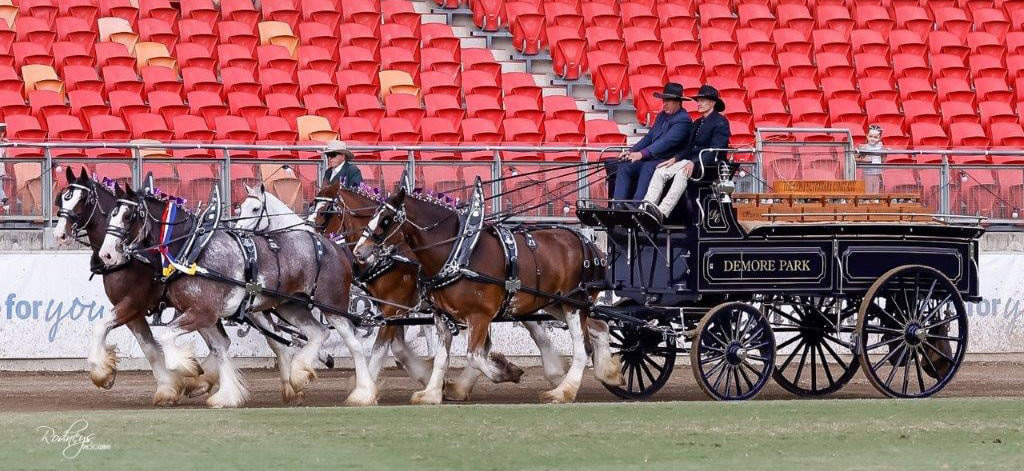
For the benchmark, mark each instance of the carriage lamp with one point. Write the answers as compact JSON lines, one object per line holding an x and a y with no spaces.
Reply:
{"x":513,"y":171}
{"x":963,"y":176}
{"x":1016,"y":213}
{"x":288,"y":170}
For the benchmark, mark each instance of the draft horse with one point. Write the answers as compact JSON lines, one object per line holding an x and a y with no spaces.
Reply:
{"x":344,"y":213}
{"x":219,"y":288}
{"x":554,"y":275}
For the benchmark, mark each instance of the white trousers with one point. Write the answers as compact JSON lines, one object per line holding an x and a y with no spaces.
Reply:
{"x":679,"y":174}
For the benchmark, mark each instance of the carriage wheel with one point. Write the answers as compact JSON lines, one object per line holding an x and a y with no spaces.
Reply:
{"x":820,"y":330}
{"x":733,"y":352}
{"x":647,"y":358}
{"x":911,"y":332}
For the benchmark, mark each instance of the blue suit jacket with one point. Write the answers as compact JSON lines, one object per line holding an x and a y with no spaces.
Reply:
{"x":667,"y":136}
{"x":709,"y":132}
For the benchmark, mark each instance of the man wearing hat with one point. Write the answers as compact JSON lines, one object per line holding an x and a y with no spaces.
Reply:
{"x":666,"y":138}
{"x":340,"y":168}
{"x":710,"y":131}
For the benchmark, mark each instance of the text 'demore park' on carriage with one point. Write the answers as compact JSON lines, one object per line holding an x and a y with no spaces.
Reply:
{"x":804,"y":283}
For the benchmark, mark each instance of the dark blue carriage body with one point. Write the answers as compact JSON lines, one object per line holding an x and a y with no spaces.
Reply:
{"x":714,"y":257}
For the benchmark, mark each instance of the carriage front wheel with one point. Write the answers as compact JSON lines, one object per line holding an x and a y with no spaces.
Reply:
{"x":646,"y":357}
{"x":733,"y":352}
{"x":911,"y":332}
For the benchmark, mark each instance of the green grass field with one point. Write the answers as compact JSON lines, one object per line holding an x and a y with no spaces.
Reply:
{"x":786,"y":435}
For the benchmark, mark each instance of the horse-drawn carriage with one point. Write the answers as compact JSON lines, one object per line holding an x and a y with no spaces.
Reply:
{"x":804,"y":286}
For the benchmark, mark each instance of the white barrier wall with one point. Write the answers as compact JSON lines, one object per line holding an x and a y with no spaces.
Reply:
{"x":48,"y":307}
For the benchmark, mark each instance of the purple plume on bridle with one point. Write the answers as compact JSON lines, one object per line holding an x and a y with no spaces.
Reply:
{"x":439,"y":199}
{"x":109,"y":183}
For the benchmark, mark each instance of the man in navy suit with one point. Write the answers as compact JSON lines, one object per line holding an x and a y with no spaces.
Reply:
{"x":710,"y":131}
{"x":665,"y":139}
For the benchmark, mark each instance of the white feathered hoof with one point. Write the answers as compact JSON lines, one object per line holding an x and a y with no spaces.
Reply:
{"x":197,"y":386}
{"x":454,"y":392}
{"x":223,"y":401}
{"x":301,"y":376}
{"x":166,"y":396}
{"x":426,"y":397}
{"x":610,"y":372}
{"x":559,"y":395}
{"x":104,"y":374}
{"x":181,"y":362}
{"x":361,"y":397}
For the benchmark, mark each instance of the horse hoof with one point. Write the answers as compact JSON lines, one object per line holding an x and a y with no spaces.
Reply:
{"x":197,"y":386}
{"x":515,"y":373}
{"x":301,"y":377}
{"x":454,"y":393}
{"x":426,"y":397}
{"x":557,"y":396}
{"x":103,"y":379}
{"x":166,"y":396}
{"x":216,"y":401}
{"x":362,"y":397}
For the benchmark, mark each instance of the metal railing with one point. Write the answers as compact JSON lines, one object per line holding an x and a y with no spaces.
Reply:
{"x":30,"y":171}
{"x":949,"y":181}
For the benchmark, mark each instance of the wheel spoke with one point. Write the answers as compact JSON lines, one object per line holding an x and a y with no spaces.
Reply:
{"x":944,"y":337}
{"x":721,"y":374}
{"x":720,"y":340}
{"x":639,"y":378}
{"x":647,"y":372}
{"x":752,"y":335}
{"x":936,"y":309}
{"x":877,"y":329}
{"x":832,"y":352}
{"x":792,"y":355}
{"x":788,"y":342}
{"x":917,"y":365}
{"x":814,"y":367}
{"x":892,"y":374}
{"x":887,"y":357}
{"x":630,"y":381}
{"x":942,"y":322}
{"x":882,"y":344}
{"x":927,"y":298}
{"x":728,"y":378}
{"x":824,"y":364}
{"x":936,"y":350}
{"x":750,"y":384}
{"x":736,"y":379}
{"x":716,"y":367}
{"x":660,"y":368}
{"x":803,"y":360}
{"x":906,"y":372}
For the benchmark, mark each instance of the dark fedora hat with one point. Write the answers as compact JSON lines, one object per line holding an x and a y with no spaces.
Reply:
{"x":673,"y":91}
{"x":708,"y":92}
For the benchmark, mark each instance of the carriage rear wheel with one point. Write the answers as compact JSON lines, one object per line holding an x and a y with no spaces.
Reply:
{"x":733,"y":352}
{"x":819,"y":333}
{"x":647,"y":358}
{"x":911,"y":332}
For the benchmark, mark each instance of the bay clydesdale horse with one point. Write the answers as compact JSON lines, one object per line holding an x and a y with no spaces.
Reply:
{"x":555,"y":266}
{"x":203,"y":300}
{"x":345,"y":212}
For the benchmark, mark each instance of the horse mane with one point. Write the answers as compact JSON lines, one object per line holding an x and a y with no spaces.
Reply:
{"x":439,"y":200}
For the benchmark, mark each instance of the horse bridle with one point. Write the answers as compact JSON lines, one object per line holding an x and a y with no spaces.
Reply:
{"x":331,"y":207}
{"x":72,"y":216}
{"x":121,"y":233}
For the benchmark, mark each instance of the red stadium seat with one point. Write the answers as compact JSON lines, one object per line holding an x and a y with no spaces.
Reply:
{"x":192,"y":128}
{"x":795,"y":16}
{"x":275,"y":128}
{"x":638,"y":15}
{"x":68,"y":53}
{"x":320,"y":35}
{"x":360,"y":130}
{"x":873,"y":88}
{"x":797,"y":64}
{"x":846,"y":111}
{"x":440,"y":83}
{"x":722,"y":64}
{"x":802,"y":87}
{"x":156,"y":30}
{"x":364,"y":106}
{"x":526,"y":21}
{"x":912,"y":66}
{"x":399,"y":35}
{"x":484,"y":106}
{"x":489,"y":15}
{"x":108,"y":128}
{"x":913,"y":18}
{"x":480,"y":131}
{"x":355,"y":34}
{"x":599,"y":14}
{"x":957,"y":112}
{"x":401,"y":105}
{"x":66,"y":128}
{"x":316,"y":81}
{"x":440,"y":105}
{"x":1007,"y":134}
{"x":326,"y":106}
{"x":479,"y":82}
{"x":195,"y":78}
{"x":982,"y":43}
{"x":751,"y":39}
{"x":246,"y":105}
{"x":600,"y":38}
{"x":834,"y":65}
{"x":206,"y":104}
{"x":324,"y":12}
{"x":646,"y":63}
{"x":609,"y":76}
{"x":76,"y":30}
{"x":239,"y":34}
{"x":679,"y":39}
{"x":276,"y":57}
{"x":716,"y":16}
{"x":116,"y":77}
{"x":907,"y":42}
{"x":439,"y":35}
{"x":564,"y":108}
{"x":602,"y":131}
{"x":398,"y":131}
{"x":944,"y":42}
{"x":44,"y":103}
{"x":354,"y":81}
{"x":277,"y":81}
{"x":791,"y":40}
{"x":481,"y":60}
{"x":397,"y":58}
{"x":996,"y":112}
{"x":928,"y":135}
{"x":233,"y":129}
{"x":521,"y":131}
{"x":233,"y":55}
{"x":318,"y":58}
{"x":440,"y":60}
{"x":36,"y":30}
{"x":31,"y":53}
{"x":968,"y":134}
{"x":676,"y":16}
{"x":766,"y":109}
{"x":281,"y":10}
{"x":953,"y":20}
{"x":833,"y":17}
{"x":86,"y":10}
{"x":87,"y":103}
{"x":518,"y":106}
{"x":202,"y":10}
{"x":285,"y":106}
{"x":167,"y":104}
{"x":149,"y":126}
{"x":439,"y":131}
{"x":237,"y":79}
